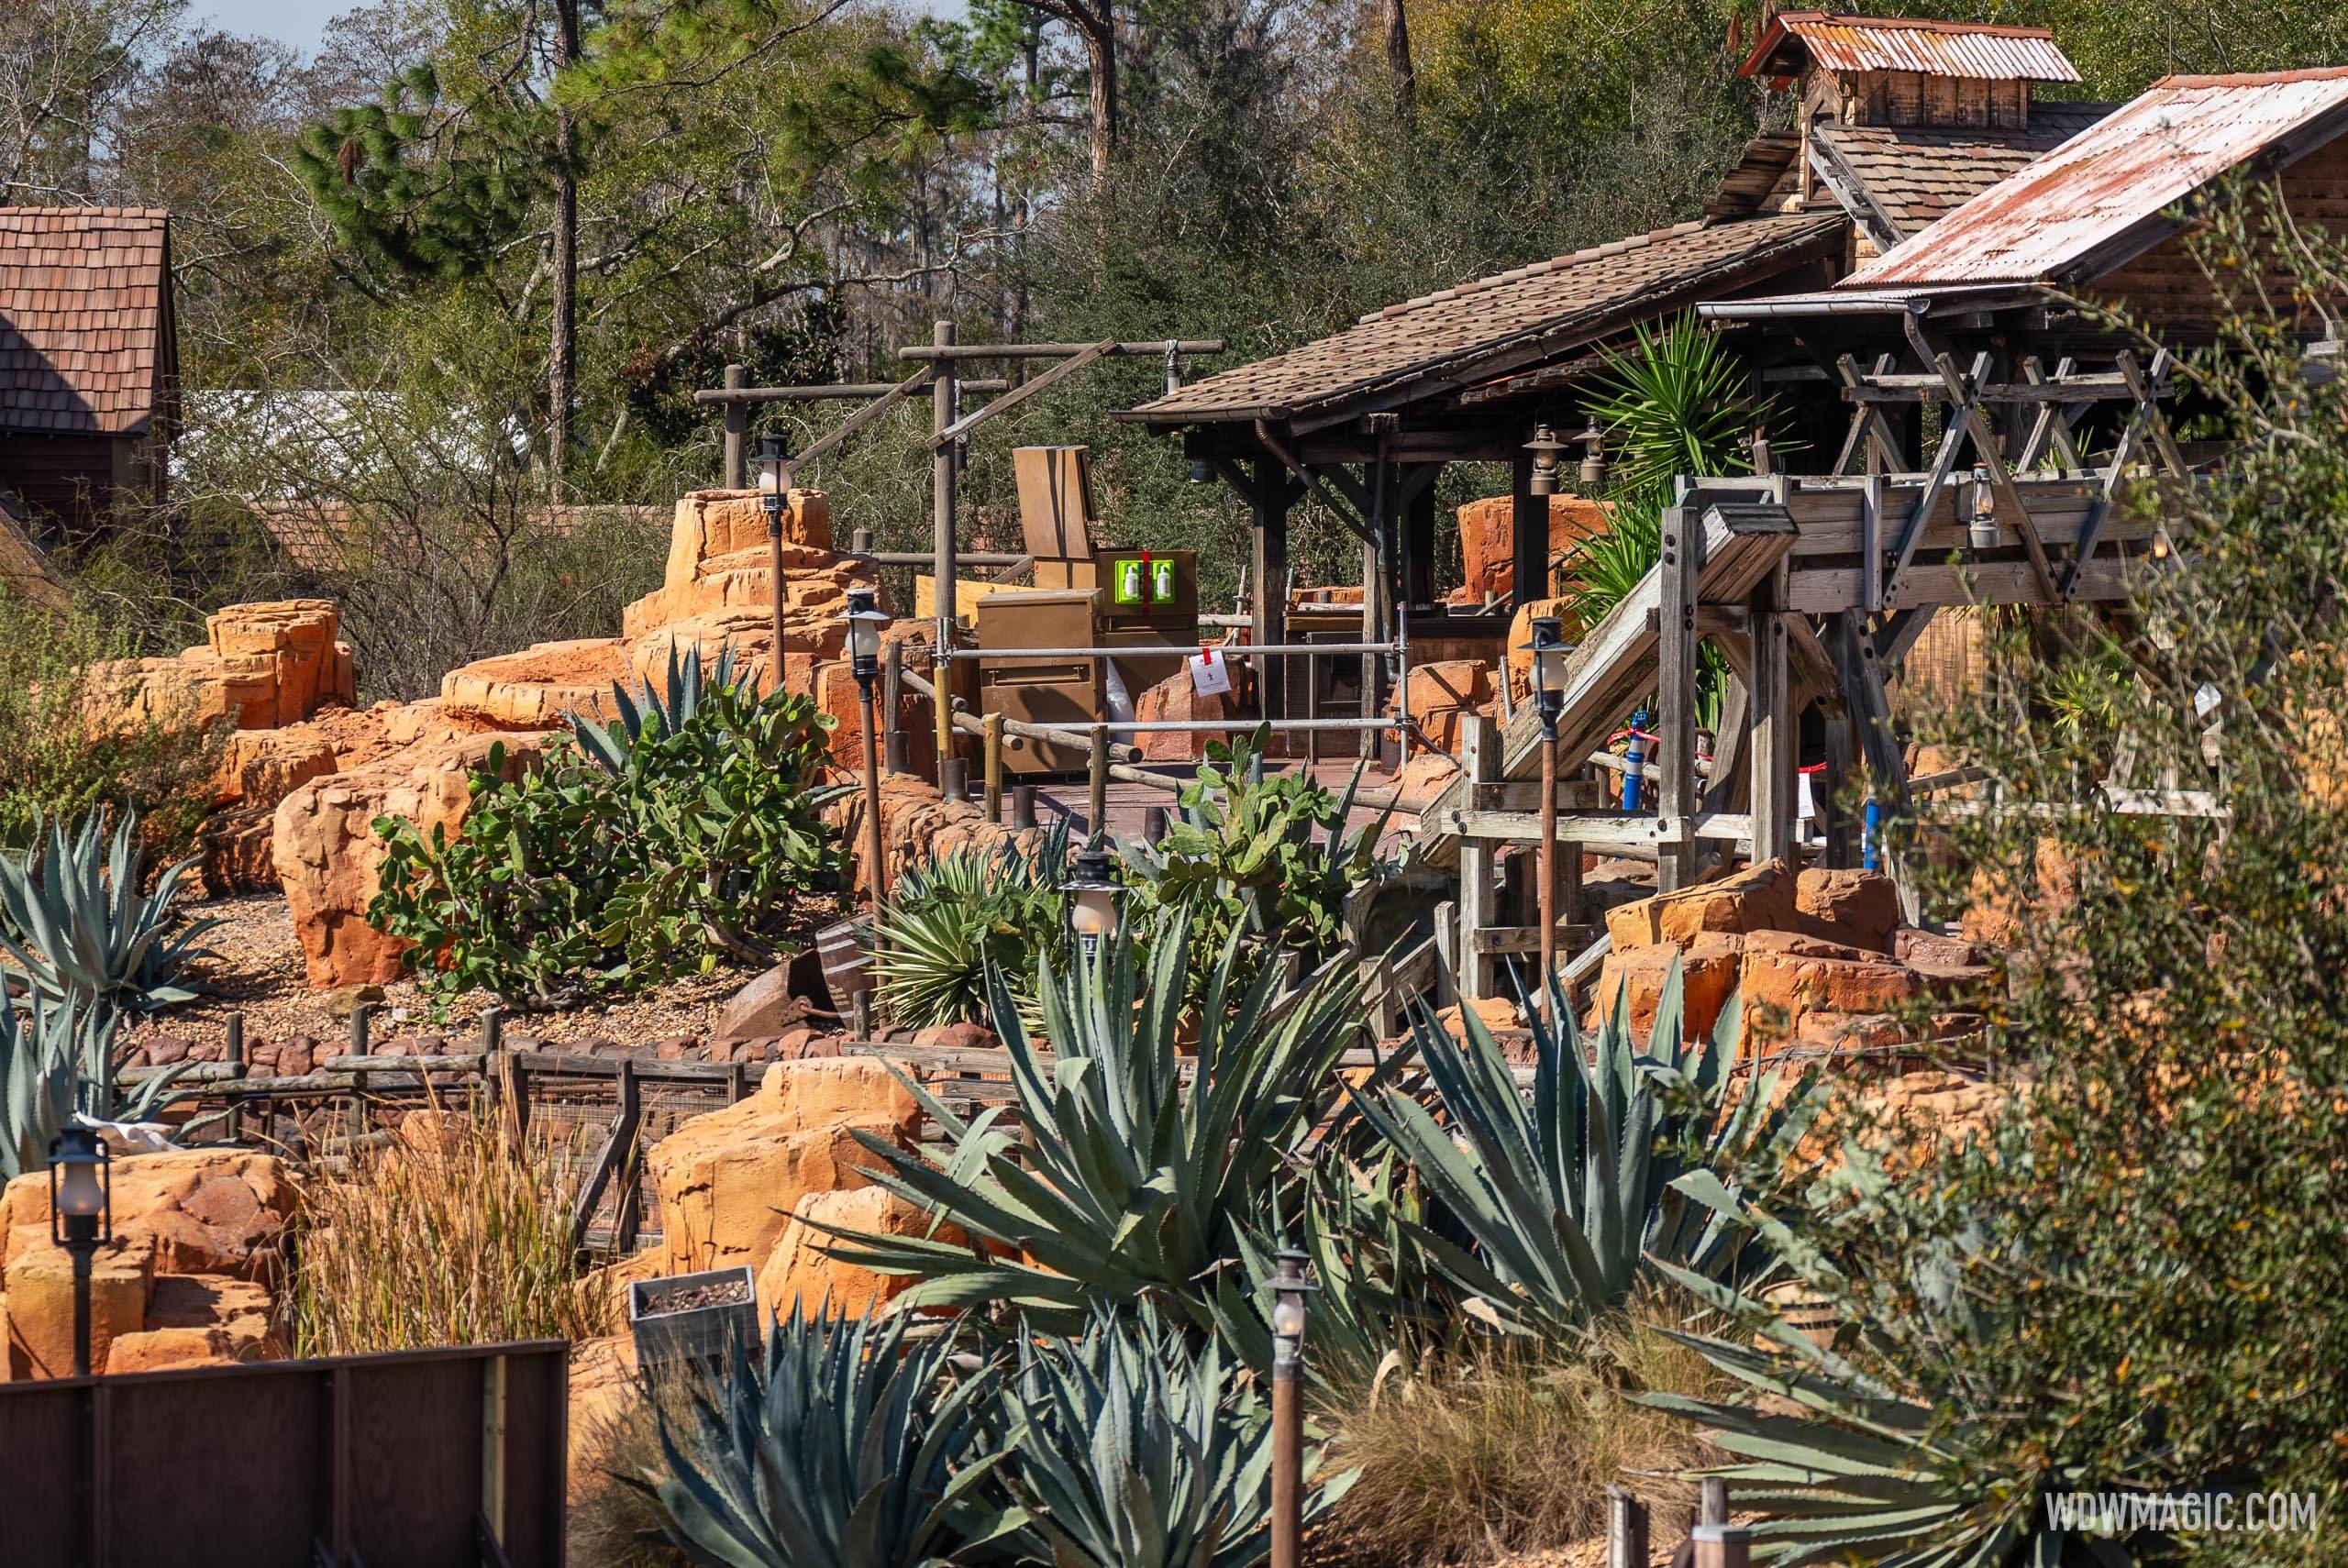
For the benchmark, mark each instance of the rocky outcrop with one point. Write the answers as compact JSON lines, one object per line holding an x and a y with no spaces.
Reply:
{"x":801,"y":1272}
{"x":1816,"y":960}
{"x":1177,"y":700}
{"x":327,"y":852}
{"x":1443,"y":695}
{"x":188,"y":1279}
{"x":1488,"y":540}
{"x":541,"y":687}
{"x":729,"y":1181}
{"x":262,"y":667}
{"x":918,"y":825}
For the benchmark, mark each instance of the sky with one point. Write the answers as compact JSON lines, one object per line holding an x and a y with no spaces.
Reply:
{"x":297,"y":22}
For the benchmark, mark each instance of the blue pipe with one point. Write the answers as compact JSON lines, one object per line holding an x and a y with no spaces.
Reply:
{"x":1871,"y":837}
{"x":1634,"y":768}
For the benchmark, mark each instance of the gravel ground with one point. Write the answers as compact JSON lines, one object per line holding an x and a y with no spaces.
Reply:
{"x":257,"y":969}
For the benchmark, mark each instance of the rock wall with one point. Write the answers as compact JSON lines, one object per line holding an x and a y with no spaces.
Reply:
{"x":1488,"y":540}
{"x":262,"y":666}
{"x":189,"y":1279}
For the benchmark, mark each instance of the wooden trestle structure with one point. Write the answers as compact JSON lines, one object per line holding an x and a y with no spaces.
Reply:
{"x":1813,"y":587}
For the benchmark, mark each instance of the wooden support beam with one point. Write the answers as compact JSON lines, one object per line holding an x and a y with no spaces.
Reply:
{"x":2052,"y":425}
{"x":1680,"y":563}
{"x":831,"y":439}
{"x":1869,"y":429}
{"x":1478,"y":867}
{"x":1936,"y":481}
{"x":1967,"y":410}
{"x":2144,"y":420}
{"x":1269,"y":495}
{"x":1020,"y":394}
{"x":1318,"y":483}
{"x":1528,"y":533}
{"x":1774,"y":740}
{"x":1612,"y":832}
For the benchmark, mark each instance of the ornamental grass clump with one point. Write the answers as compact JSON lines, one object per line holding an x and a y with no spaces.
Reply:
{"x":460,"y":1236}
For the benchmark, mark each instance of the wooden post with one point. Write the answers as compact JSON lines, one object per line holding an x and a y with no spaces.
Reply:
{"x":627,"y":1201}
{"x":1529,"y":525}
{"x":994,"y":766}
{"x":1833,"y":816}
{"x":1418,"y":551}
{"x":1268,"y":504}
{"x":737,"y":427}
{"x":1675,"y":695}
{"x":892,"y":696}
{"x":944,"y":410}
{"x":1712,"y":1500}
{"x":1723,"y":1546}
{"x":1771,"y":737}
{"x":1626,"y":1529}
{"x":1478,"y":889}
{"x":1096,"y":794}
{"x":1548,"y":873}
{"x":235,"y":1055}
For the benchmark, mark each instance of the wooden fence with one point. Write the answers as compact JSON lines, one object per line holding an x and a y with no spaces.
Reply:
{"x":422,"y":1458}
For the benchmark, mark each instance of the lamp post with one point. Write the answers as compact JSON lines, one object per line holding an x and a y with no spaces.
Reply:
{"x":1094,"y":900}
{"x":1290,"y":1289}
{"x":1546,"y":468}
{"x":1548,"y":702}
{"x":774,"y":495}
{"x":80,"y":1218}
{"x":866,"y":621}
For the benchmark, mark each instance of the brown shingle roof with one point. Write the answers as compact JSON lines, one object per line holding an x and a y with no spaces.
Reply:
{"x":84,"y":310}
{"x":1911,"y":177}
{"x":1501,"y":323}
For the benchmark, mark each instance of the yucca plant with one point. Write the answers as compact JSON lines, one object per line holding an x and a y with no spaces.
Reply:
{"x":1573,"y":1192}
{"x":846,"y":1444}
{"x":666,"y":712}
{"x":946,"y":923}
{"x":1137,"y":1180}
{"x":74,"y":926}
{"x":1137,"y":1447}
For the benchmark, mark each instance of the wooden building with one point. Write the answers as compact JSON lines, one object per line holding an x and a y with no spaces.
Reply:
{"x":89,"y":382}
{"x":1898,"y":122}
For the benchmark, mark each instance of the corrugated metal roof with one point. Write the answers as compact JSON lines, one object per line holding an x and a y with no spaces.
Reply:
{"x":1501,"y":323}
{"x":2068,"y":216}
{"x":1899,"y":43}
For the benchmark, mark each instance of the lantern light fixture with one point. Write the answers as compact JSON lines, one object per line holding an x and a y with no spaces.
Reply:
{"x":1549,"y":650}
{"x":80,"y":1217}
{"x":1982,"y":531}
{"x":1094,"y":898}
{"x":1593,"y":456}
{"x":866,"y":621}
{"x":1544,"y":447}
{"x":774,"y":475}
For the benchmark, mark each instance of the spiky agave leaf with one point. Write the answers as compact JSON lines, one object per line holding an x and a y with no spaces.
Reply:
{"x":1137,"y":1179}
{"x":944,"y":924}
{"x":1136,"y":1446}
{"x":74,"y":926}
{"x":38,"y":1064}
{"x":643,"y":712}
{"x":844,"y":1445}
{"x":1569,"y":1190}
{"x":1846,"y":1469}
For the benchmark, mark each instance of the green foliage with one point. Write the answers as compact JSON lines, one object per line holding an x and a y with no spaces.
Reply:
{"x":75,"y":737}
{"x":850,"y":1445}
{"x":76,"y":926}
{"x":949,"y":923}
{"x":38,"y":1060}
{"x":1133,"y":1447}
{"x":576,"y":880}
{"x":1138,"y":1180}
{"x":1245,"y":859}
{"x":647,"y":714}
{"x":1572,"y":1195}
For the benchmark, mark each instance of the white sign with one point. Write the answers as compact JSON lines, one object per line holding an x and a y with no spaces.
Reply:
{"x":1210,"y":676}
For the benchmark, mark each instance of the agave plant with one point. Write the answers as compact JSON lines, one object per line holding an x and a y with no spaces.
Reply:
{"x":662,"y":712}
{"x":76,"y":927}
{"x":1135,"y":1447}
{"x":946,"y":924}
{"x":1609,"y":1162}
{"x":1136,"y":1179}
{"x":57,"y":1061}
{"x":846,"y":1445}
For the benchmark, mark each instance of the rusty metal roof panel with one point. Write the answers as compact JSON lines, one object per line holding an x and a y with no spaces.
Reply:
{"x":1497,"y":325}
{"x":1895,"y":43}
{"x":2071,"y":215}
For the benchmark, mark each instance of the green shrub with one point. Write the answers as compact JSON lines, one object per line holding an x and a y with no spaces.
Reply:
{"x":74,"y":926}
{"x":946,"y":925}
{"x":584,"y":877}
{"x":73,"y":736}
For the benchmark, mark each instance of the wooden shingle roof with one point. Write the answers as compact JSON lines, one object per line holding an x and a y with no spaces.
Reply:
{"x":1910,"y":177}
{"x":1502,"y":324}
{"x":84,"y":318}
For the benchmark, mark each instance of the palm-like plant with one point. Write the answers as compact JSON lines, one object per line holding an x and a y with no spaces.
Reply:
{"x":1675,"y":403}
{"x":666,"y":712}
{"x":846,"y":1445}
{"x":1135,"y":1448}
{"x":946,"y":923}
{"x":1136,"y":1178}
{"x":74,"y":926}
{"x":1609,"y":1163}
